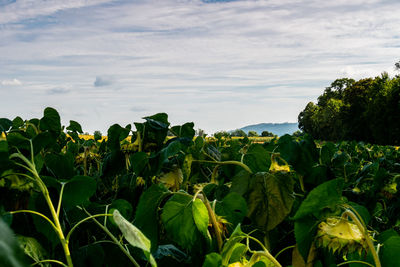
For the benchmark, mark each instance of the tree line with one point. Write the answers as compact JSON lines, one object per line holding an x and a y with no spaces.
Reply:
{"x":365,"y":110}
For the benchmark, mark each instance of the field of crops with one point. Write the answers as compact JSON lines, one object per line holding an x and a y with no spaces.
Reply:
{"x":138,"y":198}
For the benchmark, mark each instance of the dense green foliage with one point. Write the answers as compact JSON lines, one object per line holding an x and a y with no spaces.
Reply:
{"x":366,"y":110}
{"x":187,"y":201}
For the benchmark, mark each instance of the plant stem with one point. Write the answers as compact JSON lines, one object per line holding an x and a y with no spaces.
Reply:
{"x":82,"y":221}
{"x":53,"y":261}
{"x":365,"y":233}
{"x":361,"y":262}
{"x":213,"y":219}
{"x":36,"y":213}
{"x":114,"y":239}
{"x":265,"y":252}
{"x":32,"y":169}
{"x":229,"y":162}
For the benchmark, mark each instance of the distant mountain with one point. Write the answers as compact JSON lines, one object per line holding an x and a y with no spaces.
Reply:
{"x":275,"y":128}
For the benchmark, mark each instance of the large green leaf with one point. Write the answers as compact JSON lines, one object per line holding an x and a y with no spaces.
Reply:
{"x":10,"y":252}
{"x":391,"y":252}
{"x":116,"y":134}
{"x":257,"y":158}
{"x":5,"y":125}
{"x":32,"y":248}
{"x":60,"y":165}
{"x":134,"y":236}
{"x":233,"y":208}
{"x":185,"y":130}
{"x":139,"y":161}
{"x":123,"y":206}
{"x":185,"y":220}
{"x":51,"y":121}
{"x":146,"y":217}
{"x":74,"y":127}
{"x":325,"y":196}
{"x":212,"y":260}
{"x":78,"y":190}
{"x":304,"y":232}
{"x":43,"y":140}
{"x":231,"y":245}
{"x":269,"y":199}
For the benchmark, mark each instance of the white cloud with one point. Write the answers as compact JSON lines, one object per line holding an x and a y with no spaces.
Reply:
{"x":11,"y":82}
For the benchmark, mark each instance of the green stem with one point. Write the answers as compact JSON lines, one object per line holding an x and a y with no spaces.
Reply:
{"x":115,"y":240}
{"x":265,"y":252}
{"x":60,"y":199}
{"x":32,"y":168}
{"x":283,"y":250}
{"x":211,"y":213}
{"x":361,"y":262}
{"x":53,"y":261}
{"x":365,"y":233}
{"x":36,"y":213}
{"x":214,"y":174}
{"x":229,"y":162}
{"x":82,"y":221}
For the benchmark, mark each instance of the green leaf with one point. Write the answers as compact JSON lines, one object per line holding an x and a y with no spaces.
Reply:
{"x":362,"y":211}
{"x":231,"y":244}
{"x":172,"y":252}
{"x":5,"y":125}
{"x":115,"y":135}
{"x":60,"y":165}
{"x":269,"y":199}
{"x":327,"y":152}
{"x":139,"y":161}
{"x":186,"y":130}
{"x":304,"y":232}
{"x":43,"y":140}
{"x":238,"y":252}
{"x":391,"y":252}
{"x":16,"y":139}
{"x":386,"y":235}
{"x":17,"y":122}
{"x":123,"y":206}
{"x":78,"y":190}
{"x":212,"y":260}
{"x":10,"y":252}
{"x":146,"y":217}
{"x":171,"y":150}
{"x":257,"y":158}
{"x":51,"y":121}
{"x":134,"y":236}
{"x":187,"y":167}
{"x":74,"y":127}
{"x":233,"y":208}
{"x":32,"y":248}
{"x":325,"y":196}
{"x":200,"y":217}
{"x":180,"y":222}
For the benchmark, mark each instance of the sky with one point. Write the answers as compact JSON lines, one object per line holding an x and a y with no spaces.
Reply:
{"x":220,"y":64}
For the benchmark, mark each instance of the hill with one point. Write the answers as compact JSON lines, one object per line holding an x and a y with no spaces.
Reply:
{"x":275,"y":128}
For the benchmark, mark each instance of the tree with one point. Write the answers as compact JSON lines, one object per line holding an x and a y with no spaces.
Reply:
{"x":252,"y":134}
{"x":97,"y":135}
{"x":365,"y":110}
{"x":238,"y":133}
{"x":267,"y":134}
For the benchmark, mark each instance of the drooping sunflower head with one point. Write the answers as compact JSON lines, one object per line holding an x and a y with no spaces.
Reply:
{"x":340,"y":235}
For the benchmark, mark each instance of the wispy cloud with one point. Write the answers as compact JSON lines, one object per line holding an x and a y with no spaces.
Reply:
{"x":59,"y":91}
{"x":11,"y":82}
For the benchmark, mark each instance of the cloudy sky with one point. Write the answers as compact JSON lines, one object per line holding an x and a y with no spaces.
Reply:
{"x":221,"y":64}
